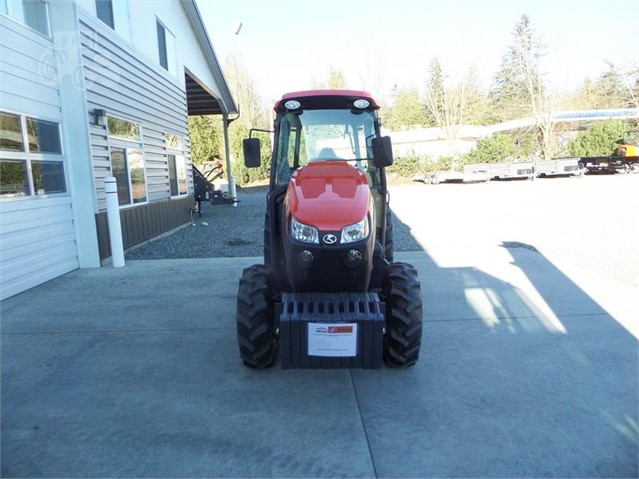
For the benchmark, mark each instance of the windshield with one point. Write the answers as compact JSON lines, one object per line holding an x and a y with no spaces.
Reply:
{"x":314,"y":135}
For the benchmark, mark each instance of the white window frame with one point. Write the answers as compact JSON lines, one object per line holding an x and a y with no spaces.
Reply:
{"x":128,"y":145}
{"x":177,"y":153}
{"x":28,"y":157}
{"x":170,"y":52}
{"x":120,"y":16}
{"x":15,"y":10}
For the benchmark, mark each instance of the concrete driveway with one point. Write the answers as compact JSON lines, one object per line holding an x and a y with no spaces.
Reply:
{"x":526,"y":371}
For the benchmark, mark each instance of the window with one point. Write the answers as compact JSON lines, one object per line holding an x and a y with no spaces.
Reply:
{"x":114,"y":13}
{"x":31,"y":161}
{"x":104,"y":10}
{"x":177,"y":165}
{"x":11,"y":132}
{"x":48,"y":177}
{"x":127,"y":166}
{"x":14,"y":179}
{"x":33,"y":13}
{"x":127,"y":160}
{"x":166,"y":49}
{"x":324,"y":134}
{"x":123,"y":129}
{"x":44,"y":136}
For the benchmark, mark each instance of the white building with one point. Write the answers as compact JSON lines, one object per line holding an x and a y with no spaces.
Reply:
{"x":90,"y":89}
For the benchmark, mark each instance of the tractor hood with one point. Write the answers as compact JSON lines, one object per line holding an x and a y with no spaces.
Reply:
{"x":328,"y":195}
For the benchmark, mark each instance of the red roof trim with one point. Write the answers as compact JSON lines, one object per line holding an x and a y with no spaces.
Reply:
{"x":305,"y":93}
{"x":301,"y":95}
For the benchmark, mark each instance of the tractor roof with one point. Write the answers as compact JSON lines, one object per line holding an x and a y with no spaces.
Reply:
{"x":327,"y":99}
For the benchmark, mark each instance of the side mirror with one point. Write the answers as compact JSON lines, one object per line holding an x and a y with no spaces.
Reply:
{"x":252,"y":156}
{"x":382,"y":151}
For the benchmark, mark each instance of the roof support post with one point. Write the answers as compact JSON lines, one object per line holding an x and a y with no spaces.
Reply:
{"x":227,"y":154}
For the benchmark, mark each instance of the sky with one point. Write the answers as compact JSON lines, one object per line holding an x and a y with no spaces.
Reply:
{"x":288,"y":45}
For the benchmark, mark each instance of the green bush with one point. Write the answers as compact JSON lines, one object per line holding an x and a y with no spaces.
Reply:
{"x":241,"y":173}
{"x":600,"y":140}
{"x":407,"y":166}
{"x":496,"y":148}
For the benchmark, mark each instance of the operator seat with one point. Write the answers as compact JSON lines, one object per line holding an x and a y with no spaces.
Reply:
{"x":326,"y":154}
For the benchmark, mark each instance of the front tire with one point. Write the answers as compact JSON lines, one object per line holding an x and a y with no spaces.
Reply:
{"x":255,"y":319}
{"x":403,"y":338}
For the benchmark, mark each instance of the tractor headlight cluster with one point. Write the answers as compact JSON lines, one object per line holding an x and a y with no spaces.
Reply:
{"x":304,"y":233}
{"x":356,"y":232}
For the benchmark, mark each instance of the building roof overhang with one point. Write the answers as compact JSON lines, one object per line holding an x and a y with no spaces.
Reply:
{"x":200,"y":99}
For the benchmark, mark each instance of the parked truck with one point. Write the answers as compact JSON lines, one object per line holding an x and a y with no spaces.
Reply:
{"x":624,"y":160}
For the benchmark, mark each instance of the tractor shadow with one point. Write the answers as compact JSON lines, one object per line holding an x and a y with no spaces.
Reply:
{"x":521,"y":373}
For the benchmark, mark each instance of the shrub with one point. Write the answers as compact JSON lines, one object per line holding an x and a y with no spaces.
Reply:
{"x":493,"y":149}
{"x":407,"y":166}
{"x":600,"y":140}
{"x":241,"y":173}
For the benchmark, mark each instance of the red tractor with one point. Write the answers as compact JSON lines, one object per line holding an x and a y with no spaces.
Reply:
{"x":328,"y":294}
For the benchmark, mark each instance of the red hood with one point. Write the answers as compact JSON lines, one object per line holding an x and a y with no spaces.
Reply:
{"x":328,"y":195}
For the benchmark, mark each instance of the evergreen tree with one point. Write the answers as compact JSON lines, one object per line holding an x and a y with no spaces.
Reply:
{"x":512,"y":92}
{"x":600,"y":140}
{"x":406,"y":111}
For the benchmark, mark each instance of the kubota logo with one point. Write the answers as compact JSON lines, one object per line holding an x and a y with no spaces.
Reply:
{"x":329,"y":239}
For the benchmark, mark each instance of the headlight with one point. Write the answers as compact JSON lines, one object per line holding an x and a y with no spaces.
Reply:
{"x":356,"y":232}
{"x":302,"y":232}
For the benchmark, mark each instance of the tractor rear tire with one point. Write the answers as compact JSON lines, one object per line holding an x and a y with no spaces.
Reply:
{"x":255,"y":319}
{"x":403,"y":293}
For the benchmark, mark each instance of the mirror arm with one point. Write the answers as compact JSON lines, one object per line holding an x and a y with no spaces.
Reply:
{"x":258,"y":129}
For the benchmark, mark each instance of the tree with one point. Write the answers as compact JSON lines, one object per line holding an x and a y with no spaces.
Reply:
{"x":407,"y":110}
{"x":334,"y":81}
{"x":207,"y":132}
{"x":631,"y":82}
{"x":519,"y":87}
{"x":476,"y":108}
{"x":448,"y":105}
{"x":510,"y":94}
{"x":612,"y":89}
{"x":253,"y":112}
{"x":206,"y":137}
{"x":600,"y":140}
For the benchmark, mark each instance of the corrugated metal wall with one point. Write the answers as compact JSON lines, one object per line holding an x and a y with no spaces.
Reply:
{"x":126,"y":84}
{"x":144,"y":222}
{"x":37,"y":235}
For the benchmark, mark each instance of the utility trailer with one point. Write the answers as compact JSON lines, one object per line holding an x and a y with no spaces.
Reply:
{"x":482,"y":172}
{"x":503,"y":171}
{"x":558,"y":167}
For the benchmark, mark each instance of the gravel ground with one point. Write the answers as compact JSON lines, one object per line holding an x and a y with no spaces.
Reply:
{"x":228,"y":231}
{"x":222,"y":231}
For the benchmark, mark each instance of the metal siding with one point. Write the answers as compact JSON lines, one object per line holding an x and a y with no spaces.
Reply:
{"x":144,"y":222}
{"x":21,"y":83}
{"x":136,"y":90}
{"x":37,"y":234}
{"x":37,"y":242}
